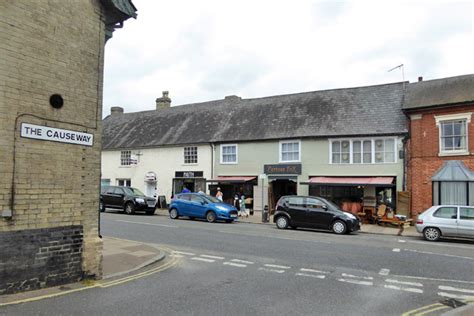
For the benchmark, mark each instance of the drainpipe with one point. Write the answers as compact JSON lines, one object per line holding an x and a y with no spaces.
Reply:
{"x":213,"y":149}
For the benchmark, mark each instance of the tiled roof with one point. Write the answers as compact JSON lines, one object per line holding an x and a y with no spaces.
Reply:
{"x":439,"y":92}
{"x":361,"y":111}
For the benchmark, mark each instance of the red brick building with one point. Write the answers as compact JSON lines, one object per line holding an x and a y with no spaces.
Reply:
{"x":441,"y":129}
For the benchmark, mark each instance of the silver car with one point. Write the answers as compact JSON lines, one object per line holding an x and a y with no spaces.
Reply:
{"x":446,"y":221}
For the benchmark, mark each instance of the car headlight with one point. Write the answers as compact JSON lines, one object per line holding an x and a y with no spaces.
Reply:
{"x":351,"y":216}
{"x":221,"y":208}
{"x":139,"y":200}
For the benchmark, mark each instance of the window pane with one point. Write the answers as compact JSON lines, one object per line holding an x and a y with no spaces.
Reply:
{"x":448,"y":143}
{"x":447,"y":129}
{"x":336,"y":147}
{"x":367,"y":158}
{"x":345,"y":147}
{"x":446,"y":212}
{"x":336,"y":158}
{"x":389,"y":145}
{"x":296,"y":201}
{"x":457,"y":126}
{"x":466,"y":213}
{"x":453,"y":193}
{"x":356,"y":158}
{"x":379,"y":145}
{"x":356,"y":146}
{"x":389,"y":157}
{"x":378,"y":157}
{"x":345,"y":157}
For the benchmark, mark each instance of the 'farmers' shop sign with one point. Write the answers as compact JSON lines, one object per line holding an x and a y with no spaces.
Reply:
{"x":282,"y":169}
{"x":56,"y":134}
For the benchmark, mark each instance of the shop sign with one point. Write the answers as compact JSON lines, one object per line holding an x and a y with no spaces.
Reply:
{"x":189,"y":174}
{"x":150,"y":177}
{"x":56,"y":134}
{"x":282,"y":169}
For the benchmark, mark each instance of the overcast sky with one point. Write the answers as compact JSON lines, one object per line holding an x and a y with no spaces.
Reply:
{"x":204,"y":50}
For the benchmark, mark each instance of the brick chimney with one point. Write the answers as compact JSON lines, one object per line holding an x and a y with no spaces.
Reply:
{"x":116,"y":110}
{"x":420,"y":78}
{"x":163,"y":102}
{"x":232,"y":98}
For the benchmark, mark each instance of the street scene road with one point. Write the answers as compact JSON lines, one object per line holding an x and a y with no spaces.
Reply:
{"x":241,"y":268}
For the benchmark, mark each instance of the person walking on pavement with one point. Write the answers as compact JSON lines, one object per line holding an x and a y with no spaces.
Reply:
{"x":243,"y":210}
{"x":237,"y":204}
{"x":219,"y":195}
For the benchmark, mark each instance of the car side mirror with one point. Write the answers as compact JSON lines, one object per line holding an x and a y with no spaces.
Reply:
{"x":203,"y":203}
{"x":324,"y":207}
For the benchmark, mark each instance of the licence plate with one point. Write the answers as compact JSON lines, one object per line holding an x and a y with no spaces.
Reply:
{"x":151,"y":204}
{"x":233,"y":215}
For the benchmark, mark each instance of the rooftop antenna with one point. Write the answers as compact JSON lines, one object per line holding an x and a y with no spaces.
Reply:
{"x":403,"y":73}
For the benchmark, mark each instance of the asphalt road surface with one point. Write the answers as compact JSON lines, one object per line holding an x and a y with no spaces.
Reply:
{"x":251,"y":269}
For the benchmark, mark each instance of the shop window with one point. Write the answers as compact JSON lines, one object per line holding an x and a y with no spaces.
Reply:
{"x":125,"y":156}
{"x":466,"y":213}
{"x":290,"y":151}
{"x":453,"y":133}
{"x":229,"y":154}
{"x":190,"y":154}
{"x":124,"y":182}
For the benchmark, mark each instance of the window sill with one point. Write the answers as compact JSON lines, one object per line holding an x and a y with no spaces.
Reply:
{"x":130,"y":166}
{"x":459,"y":153}
{"x":190,"y":164}
{"x":229,"y":163}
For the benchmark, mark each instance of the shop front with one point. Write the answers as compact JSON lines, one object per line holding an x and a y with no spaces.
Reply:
{"x":191,"y":180}
{"x":358,"y":195}
{"x":282,"y":180}
{"x":234,"y":185}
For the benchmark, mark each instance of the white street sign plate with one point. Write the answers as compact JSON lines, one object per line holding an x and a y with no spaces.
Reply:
{"x":56,"y":134}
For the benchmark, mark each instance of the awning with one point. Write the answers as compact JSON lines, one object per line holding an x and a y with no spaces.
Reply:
{"x":233,"y":179}
{"x":351,"y":181}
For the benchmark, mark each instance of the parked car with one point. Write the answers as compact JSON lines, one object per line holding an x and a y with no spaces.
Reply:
{"x":199,"y":205}
{"x":446,"y":221}
{"x":126,"y":198}
{"x":313,"y":212}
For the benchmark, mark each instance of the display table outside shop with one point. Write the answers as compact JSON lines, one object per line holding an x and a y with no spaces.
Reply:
{"x":396,"y":222}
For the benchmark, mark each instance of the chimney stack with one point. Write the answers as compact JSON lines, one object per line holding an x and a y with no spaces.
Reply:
{"x":164,"y":101}
{"x":420,"y":78}
{"x":116,"y":110}
{"x":232,"y":98}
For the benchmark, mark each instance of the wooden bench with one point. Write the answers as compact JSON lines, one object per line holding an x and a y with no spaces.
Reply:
{"x":396,"y":222}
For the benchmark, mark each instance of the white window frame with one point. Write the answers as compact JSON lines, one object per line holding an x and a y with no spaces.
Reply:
{"x":453,"y":117}
{"x":125,"y":180}
{"x":236,"y":154}
{"x":280,"y":155}
{"x":362,"y":139}
{"x":122,"y":160}
{"x":184,"y":155}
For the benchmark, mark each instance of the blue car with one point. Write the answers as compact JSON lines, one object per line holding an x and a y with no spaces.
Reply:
{"x":198,"y":205}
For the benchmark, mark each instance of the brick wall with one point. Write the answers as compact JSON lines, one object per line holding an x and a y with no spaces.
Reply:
{"x":423,"y":155}
{"x":50,"y":47}
{"x":48,"y":257}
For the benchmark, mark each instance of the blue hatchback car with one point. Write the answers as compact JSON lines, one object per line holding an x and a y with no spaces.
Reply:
{"x":198,"y":205}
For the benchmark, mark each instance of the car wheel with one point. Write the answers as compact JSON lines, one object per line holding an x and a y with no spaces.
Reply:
{"x":174,"y":213}
{"x":150,"y":212}
{"x":211,"y":217}
{"x":101,"y":206}
{"x":129,"y":208}
{"x":431,"y":233}
{"x":339,"y":227}
{"x":282,"y":222}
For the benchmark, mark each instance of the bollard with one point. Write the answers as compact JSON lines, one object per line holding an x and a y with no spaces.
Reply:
{"x":265,"y":214}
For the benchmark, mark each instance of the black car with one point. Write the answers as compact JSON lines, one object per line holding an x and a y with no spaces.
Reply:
{"x":313,"y":212}
{"x":126,"y":198}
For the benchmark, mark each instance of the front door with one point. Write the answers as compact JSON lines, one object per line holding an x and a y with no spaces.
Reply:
{"x":466,"y":222}
{"x":319,"y":215}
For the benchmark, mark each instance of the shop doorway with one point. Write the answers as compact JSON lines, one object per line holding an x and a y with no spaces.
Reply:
{"x":279,"y":188}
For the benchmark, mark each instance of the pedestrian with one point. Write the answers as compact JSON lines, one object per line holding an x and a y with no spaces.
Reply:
{"x":185,"y":190}
{"x":237,"y":204}
{"x":243,"y":210}
{"x":219,"y":195}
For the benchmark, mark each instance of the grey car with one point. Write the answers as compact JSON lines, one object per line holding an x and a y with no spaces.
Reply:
{"x":446,"y":221}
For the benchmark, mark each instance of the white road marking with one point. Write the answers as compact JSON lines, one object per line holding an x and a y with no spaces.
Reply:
{"x":356,"y":282}
{"x":384,"y":271}
{"x":276,"y":266}
{"x":271,"y":270}
{"x":450,"y":288}
{"x":404,"y":282}
{"x":396,"y":249}
{"x":438,"y":244}
{"x":431,"y":279}
{"x":406,"y":289}
{"x":401,"y":240}
{"x":242,"y":261}
{"x":317,"y":276}
{"x":459,"y":296}
{"x":235,"y":264}
{"x":142,"y":223}
{"x":203,"y":259}
{"x":176,"y":255}
{"x":212,"y":257}
{"x":439,"y":254}
{"x":184,"y":253}
{"x":312,"y":270}
{"x":356,"y":276}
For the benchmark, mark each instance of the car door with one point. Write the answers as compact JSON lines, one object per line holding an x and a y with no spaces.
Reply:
{"x":198,"y":206}
{"x":445,"y":218}
{"x":183,"y":202}
{"x":117,"y":197}
{"x":466,"y":222}
{"x":107,"y":196}
{"x":318,"y":214}
{"x":297,"y":210}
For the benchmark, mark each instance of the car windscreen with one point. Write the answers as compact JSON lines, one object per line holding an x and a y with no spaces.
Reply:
{"x":133,"y":191}
{"x":210,"y":198}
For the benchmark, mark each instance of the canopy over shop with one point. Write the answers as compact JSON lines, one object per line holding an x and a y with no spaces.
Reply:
{"x":453,"y":184}
{"x":354,"y":194}
{"x":234,"y":185}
